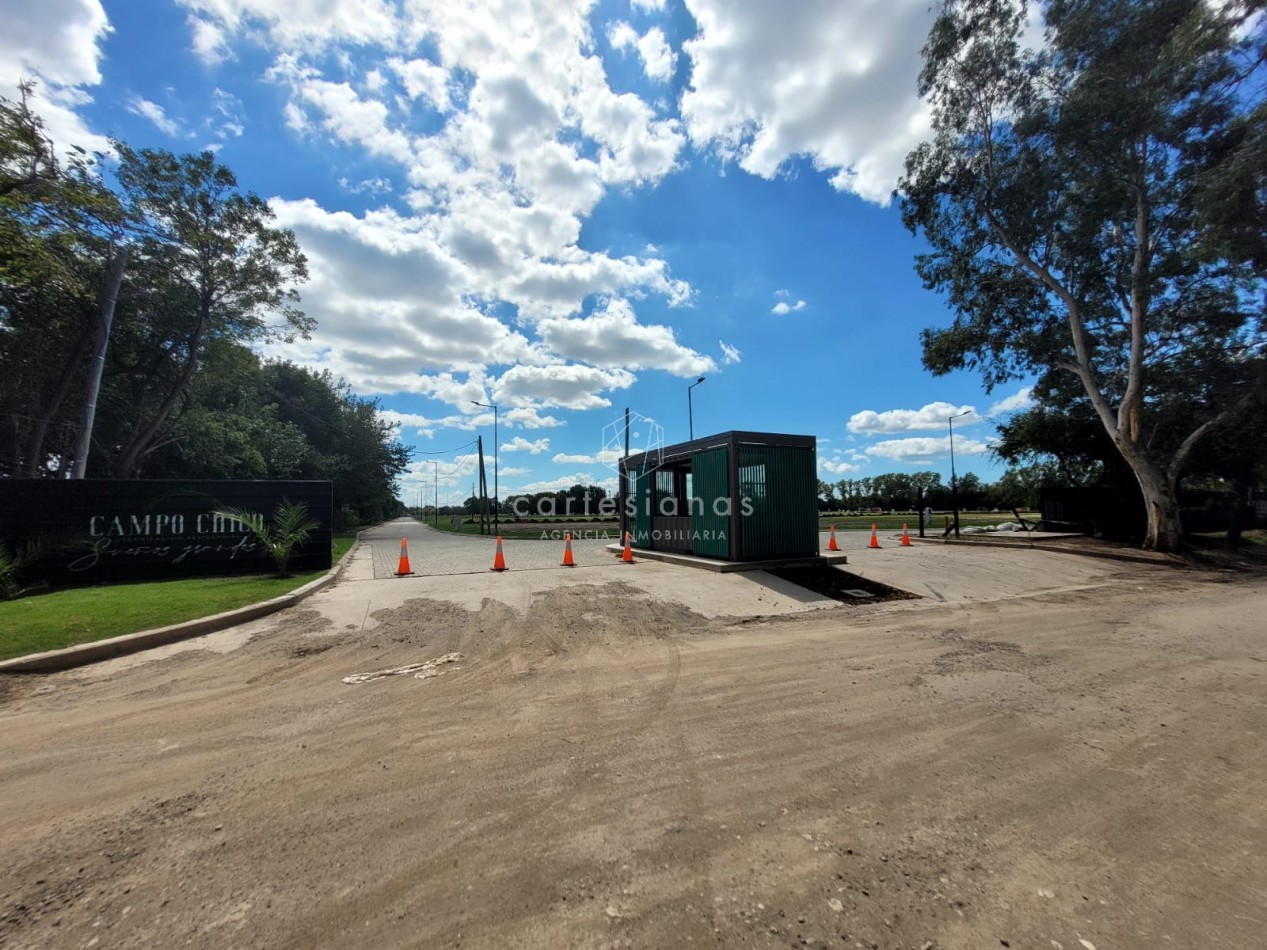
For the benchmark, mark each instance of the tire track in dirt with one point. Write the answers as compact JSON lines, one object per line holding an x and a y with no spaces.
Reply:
{"x":559,"y":639}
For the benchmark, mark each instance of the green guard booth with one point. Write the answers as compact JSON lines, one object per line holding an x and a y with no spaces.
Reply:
{"x":736,"y":496}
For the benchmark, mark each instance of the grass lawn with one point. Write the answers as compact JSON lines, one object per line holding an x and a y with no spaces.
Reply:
{"x":532,"y":530}
{"x":66,"y":617}
{"x":894,"y":522}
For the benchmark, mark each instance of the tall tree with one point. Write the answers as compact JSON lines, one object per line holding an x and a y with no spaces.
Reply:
{"x":1097,"y":208}
{"x":56,"y":224}
{"x":215,"y":266}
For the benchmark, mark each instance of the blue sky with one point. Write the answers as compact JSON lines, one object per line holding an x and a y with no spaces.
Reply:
{"x":565,"y":208}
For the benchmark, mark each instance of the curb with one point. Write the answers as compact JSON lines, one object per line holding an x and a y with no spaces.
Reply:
{"x":1105,"y":555}
{"x":82,"y":654}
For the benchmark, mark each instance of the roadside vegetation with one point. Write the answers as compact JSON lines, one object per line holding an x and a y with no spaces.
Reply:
{"x":124,"y":361}
{"x":57,"y":619}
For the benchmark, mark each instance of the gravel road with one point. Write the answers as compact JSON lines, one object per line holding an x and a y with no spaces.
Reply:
{"x":1079,"y":769}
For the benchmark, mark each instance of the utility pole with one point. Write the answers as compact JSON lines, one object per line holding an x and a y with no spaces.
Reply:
{"x":954,"y":491}
{"x":496,"y":497}
{"x":690,"y":410}
{"x":437,"y":517}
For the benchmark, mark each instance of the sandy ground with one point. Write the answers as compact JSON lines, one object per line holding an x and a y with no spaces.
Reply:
{"x":605,"y":768}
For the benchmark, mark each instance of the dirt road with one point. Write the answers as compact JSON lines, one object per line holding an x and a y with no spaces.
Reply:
{"x":1081,"y":769}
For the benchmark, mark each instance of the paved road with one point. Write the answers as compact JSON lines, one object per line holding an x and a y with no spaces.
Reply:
{"x":434,"y":552}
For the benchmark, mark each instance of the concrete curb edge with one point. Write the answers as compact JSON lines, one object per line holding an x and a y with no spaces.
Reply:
{"x":1016,"y":545}
{"x":82,"y":654}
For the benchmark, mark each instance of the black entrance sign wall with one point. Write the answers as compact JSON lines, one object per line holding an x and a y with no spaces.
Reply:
{"x":102,"y":530}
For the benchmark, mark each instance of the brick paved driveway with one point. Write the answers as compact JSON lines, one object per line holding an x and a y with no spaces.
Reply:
{"x":434,"y":552}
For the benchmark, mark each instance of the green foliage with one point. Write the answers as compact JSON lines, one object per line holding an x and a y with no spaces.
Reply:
{"x":14,"y":559}
{"x":290,"y":528}
{"x":1098,"y":209}
{"x":183,"y":393}
{"x":63,"y":618}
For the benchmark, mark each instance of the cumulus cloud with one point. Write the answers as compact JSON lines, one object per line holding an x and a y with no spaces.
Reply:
{"x":569,"y":386}
{"x":520,"y":444}
{"x":497,"y":154}
{"x":922,"y":450}
{"x":730,"y":354}
{"x":58,"y":45}
{"x":613,"y":337}
{"x":658,"y":59}
{"x":820,"y":78}
{"x":932,"y":416}
{"x":837,"y":466}
{"x":561,"y":483}
{"x":783,"y":307}
{"x":1021,"y":399}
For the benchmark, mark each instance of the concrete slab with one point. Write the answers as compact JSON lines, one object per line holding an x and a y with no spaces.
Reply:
{"x":350,"y":605}
{"x":732,"y":567}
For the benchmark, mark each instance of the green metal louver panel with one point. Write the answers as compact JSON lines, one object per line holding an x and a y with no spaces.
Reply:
{"x":709,"y":483}
{"x":778,"y":485}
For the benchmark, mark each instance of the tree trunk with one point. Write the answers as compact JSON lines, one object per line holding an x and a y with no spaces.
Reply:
{"x":1161,"y":505}
{"x":1241,"y":514}
{"x":142,"y":441}
{"x":33,"y":452}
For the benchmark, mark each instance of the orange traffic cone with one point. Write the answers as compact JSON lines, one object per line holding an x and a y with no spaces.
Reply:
{"x":499,"y":562}
{"x":906,"y":537}
{"x":567,"y":550}
{"x":627,"y":557}
{"x":875,"y":541}
{"x":831,"y":542}
{"x":403,"y":568}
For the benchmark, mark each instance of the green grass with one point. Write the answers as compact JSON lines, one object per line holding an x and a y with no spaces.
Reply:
{"x":531,"y":530}
{"x":342,"y":544}
{"x":64,"y":618}
{"x":894,"y":522}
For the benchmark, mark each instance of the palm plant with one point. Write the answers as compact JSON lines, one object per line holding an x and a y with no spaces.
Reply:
{"x":15,"y":558}
{"x":291,"y":527}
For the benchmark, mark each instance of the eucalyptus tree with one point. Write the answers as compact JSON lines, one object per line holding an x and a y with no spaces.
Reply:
{"x":1097,"y":208}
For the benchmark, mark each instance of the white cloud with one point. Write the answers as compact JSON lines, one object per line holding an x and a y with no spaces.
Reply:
{"x":1021,"y":399}
{"x":58,"y":45}
{"x":520,"y":444}
{"x":561,"y":483}
{"x":612,"y":337}
{"x":209,"y":41}
{"x":834,"y":81}
{"x":499,"y":153}
{"x":604,"y":456}
{"x":423,"y":79}
{"x":155,"y":113}
{"x":309,"y":25}
{"x":647,"y":6}
{"x":729,"y":353}
{"x":369,"y":186}
{"x":837,"y":466}
{"x":783,"y":307}
{"x":569,"y":386}
{"x":529,"y":417}
{"x":658,"y":59}
{"x":932,"y":416}
{"x":922,"y":450}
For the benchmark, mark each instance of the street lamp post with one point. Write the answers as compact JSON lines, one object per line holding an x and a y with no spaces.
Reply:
{"x":437,"y":514}
{"x":954,"y":490}
{"x":496,"y":500}
{"x":690,"y":410}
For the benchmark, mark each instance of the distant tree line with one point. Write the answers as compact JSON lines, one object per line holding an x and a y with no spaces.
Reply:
{"x":134,"y":291}
{"x":1017,"y":488}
